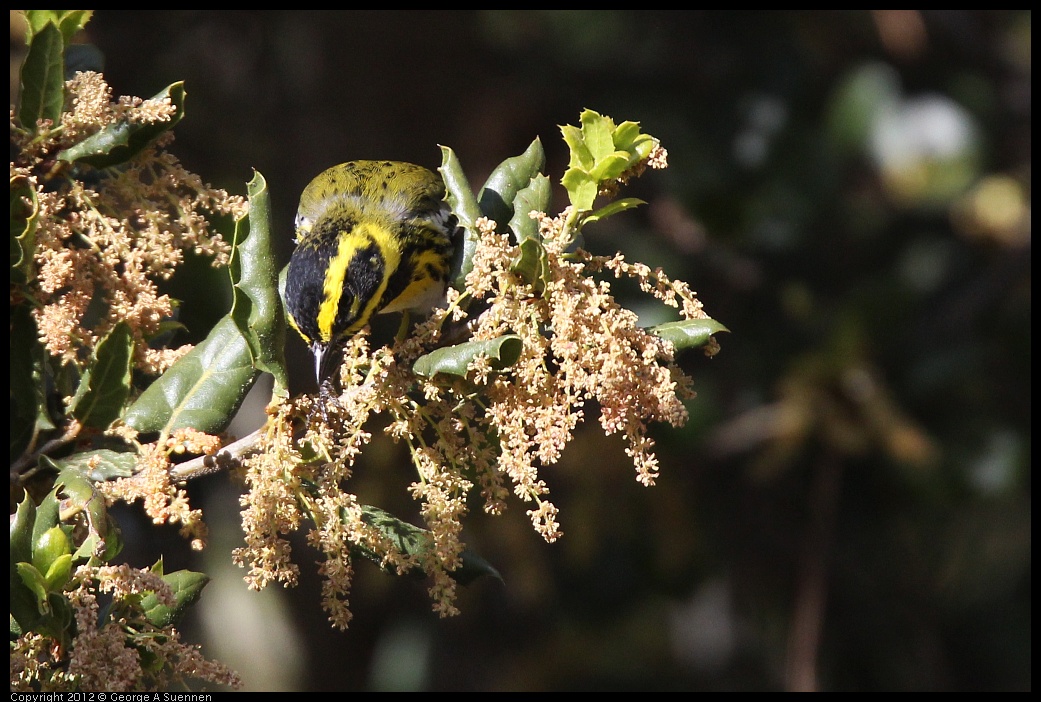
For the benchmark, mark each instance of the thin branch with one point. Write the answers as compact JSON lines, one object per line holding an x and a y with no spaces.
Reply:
{"x":811,"y":595}
{"x":228,"y":457}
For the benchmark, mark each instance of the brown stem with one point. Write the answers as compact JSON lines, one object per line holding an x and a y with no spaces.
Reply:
{"x":801,"y":674}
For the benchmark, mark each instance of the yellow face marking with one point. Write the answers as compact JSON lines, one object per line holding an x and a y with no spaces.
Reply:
{"x":422,"y":290}
{"x":362,"y":237}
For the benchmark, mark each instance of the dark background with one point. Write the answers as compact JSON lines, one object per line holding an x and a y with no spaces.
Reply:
{"x":849,"y":192}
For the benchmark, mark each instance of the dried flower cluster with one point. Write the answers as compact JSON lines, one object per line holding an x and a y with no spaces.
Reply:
{"x":163,"y":500}
{"x":493,"y":433}
{"x":101,"y":244}
{"x":120,"y":651}
{"x":594,"y":349}
{"x":101,"y":241}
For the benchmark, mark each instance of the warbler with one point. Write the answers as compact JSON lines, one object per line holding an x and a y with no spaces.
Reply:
{"x":371,"y":237}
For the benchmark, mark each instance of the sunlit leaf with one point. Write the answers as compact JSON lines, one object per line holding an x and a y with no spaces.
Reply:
{"x":581,"y":189}
{"x":597,"y":135}
{"x":610,"y":167}
{"x":464,"y":205}
{"x":59,"y":572}
{"x":100,"y":464}
{"x":580,"y":156}
{"x":122,"y":140}
{"x":600,"y":153}
{"x":187,"y":587}
{"x":497,"y":196}
{"x":68,"y":21}
{"x":203,"y":389}
{"x":532,"y":264}
{"x":690,"y":333}
{"x":256,"y":306}
{"x":455,"y":360}
{"x":48,"y":546}
{"x":33,"y":579}
{"x":76,"y":483}
{"x":534,"y":198}
{"x":47,"y":514}
{"x":614,"y":208}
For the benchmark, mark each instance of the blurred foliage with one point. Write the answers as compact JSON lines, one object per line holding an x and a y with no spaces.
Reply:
{"x":849,"y":507}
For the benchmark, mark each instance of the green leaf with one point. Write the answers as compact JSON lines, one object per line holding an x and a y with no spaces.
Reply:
{"x":615,"y":207}
{"x":581,"y":189}
{"x":627,"y":135}
{"x":628,"y":138}
{"x":59,"y":572}
{"x":535,"y":197}
{"x":105,"y":385}
{"x":33,"y":606}
{"x":49,"y":546}
{"x":100,"y":464}
{"x":413,"y":540}
{"x":47,"y":514}
{"x":28,"y":415}
{"x":43,"y":78}
{"x":24,"y":213}
{"x":33,"y":580}
{"x":36,"y":600}
{"x":690,"y":333}
{"x":23,"y":601}
{"x":257,"y":307}
{"x":100,"y":546}
{"x":532,"y":264}
{"x":497,"y":196}
{"x":610,"y":167}
{"x":457,"y":189}
{"x":35,"y":20}
{"x":461,"y":199}
{"x":597,"y":134}
{"x":68,"y":21}
{"x":202,"y":390}
{"x":22,"y":530}
{"x":102,"y":542}
{"x":600,"y":153}
{"x":72,"y":21}
{"x":581,"y":158}
{"x":455,"y":360}
{"x":187,"y":587}
{"x":121,"y":141}
{"x":407,"y":538}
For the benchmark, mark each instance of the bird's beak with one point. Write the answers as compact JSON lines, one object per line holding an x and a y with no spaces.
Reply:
{"x":322,"y":361}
